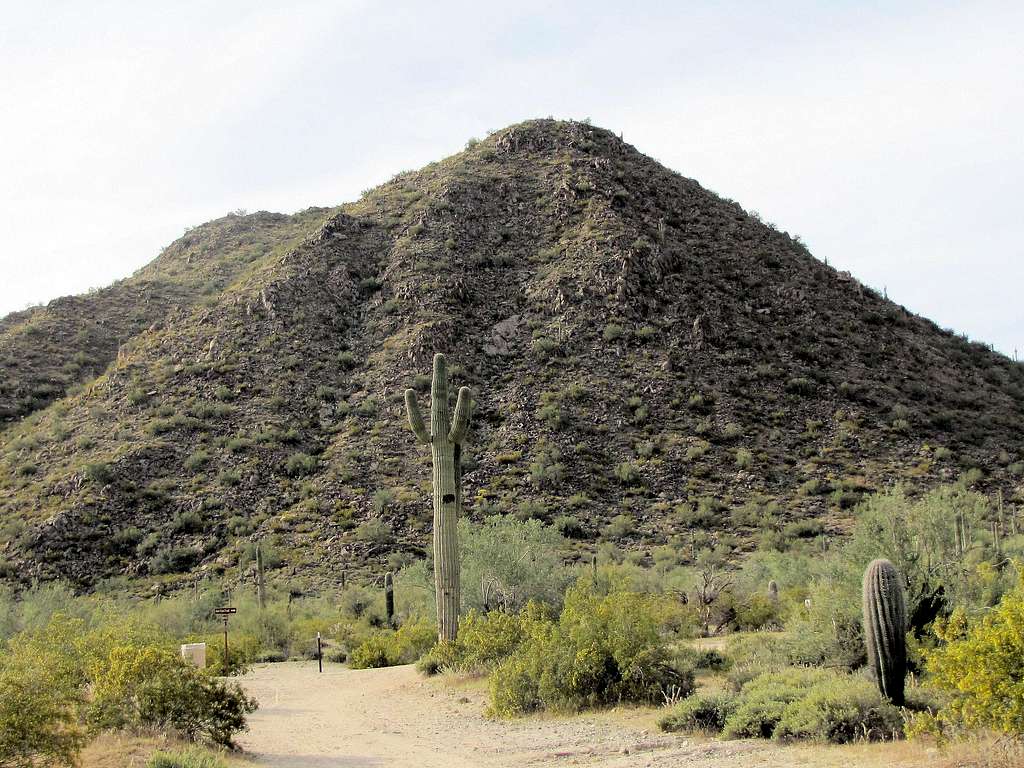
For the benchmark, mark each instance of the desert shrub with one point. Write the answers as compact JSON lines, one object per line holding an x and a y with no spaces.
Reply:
{"x":627,"y":473}
{"x":197,"y":460}
{"x":374,"y":531}
{"x":546,"y":471}
{"x":147,"y":686}
{"x":814,"y":704}
{"x":186,"y":758}
{"x":620,"y":527}
{"x":103,"y":671}
{"x":705,"y":711}
{"x":840,"y":710}
{"x":187,"y":521}
{"x":483,"y":642}
{"x":99,"y":473}
{"x":173,"y":560}
{"x":602,"y":649}
{"x":613,"y":332}
{"x":763,"y":701}
{"x":126,"y":539}
{"x":551,"y":411}
{"x":545,"y":347}
{"x":506,"y":563}
{"x":37,"y":715}
{"x":740,"y":675}
{"x":711,"y":659}
{"x":569,"y":526}
{"x":387,"y":649}
{"x":300,"y":464}
{"x":816,"y":487}
{"x":442,"y":656}
{"x":755,"y":611}
{"x":981,"y":666}
{"x":800,"y":386}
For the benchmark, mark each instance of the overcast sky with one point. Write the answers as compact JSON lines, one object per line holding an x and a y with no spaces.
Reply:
{"x":891,"y":141}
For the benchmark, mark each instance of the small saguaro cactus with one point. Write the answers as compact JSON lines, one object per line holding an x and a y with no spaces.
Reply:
{"x":445,"y":437}
{"x":885,"y":628}
{"x":389,"y":598}
{"x":261,"y":582}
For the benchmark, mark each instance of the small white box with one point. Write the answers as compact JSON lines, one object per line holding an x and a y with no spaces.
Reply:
{"x":196,"y":653}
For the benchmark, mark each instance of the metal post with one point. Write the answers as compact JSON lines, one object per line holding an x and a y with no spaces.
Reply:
{"x":319,"y":652}
{"x":226,"y":660}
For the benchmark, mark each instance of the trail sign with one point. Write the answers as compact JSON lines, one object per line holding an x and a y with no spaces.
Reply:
{"x":224,"y":613}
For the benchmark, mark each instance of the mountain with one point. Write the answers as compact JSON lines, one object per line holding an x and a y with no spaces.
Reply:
{"x":650,"y":363}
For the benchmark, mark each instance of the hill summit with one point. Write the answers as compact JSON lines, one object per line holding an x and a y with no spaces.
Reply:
{"x":650,"y":364}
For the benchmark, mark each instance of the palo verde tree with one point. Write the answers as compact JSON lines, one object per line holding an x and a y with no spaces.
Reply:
{"x":445,"y":437}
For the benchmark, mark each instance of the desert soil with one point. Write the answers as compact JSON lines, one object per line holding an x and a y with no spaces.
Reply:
{"x":394,"y":717}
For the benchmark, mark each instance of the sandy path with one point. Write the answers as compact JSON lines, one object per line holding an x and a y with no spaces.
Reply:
{"x":394,"y":717}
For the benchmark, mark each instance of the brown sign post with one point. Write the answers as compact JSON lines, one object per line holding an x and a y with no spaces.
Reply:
{"x":224,"y":613}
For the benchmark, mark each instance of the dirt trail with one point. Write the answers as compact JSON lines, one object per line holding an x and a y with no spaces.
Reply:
{"x":394,"y":717}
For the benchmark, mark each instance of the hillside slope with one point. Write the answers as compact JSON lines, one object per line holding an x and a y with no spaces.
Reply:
{"x":44,"y":351}
{"x":641,"y":351}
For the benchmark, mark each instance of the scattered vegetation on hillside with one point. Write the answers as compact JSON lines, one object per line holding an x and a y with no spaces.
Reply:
{"x":655,"y":366}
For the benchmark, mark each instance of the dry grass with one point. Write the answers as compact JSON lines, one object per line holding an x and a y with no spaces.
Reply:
{"x":121,"y":750}
{"x":982,"y":753}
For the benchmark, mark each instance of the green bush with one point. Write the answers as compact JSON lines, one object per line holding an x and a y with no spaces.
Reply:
{"x":486,"y":640}
{"x":627,"y":473}
{"x":483,"y":642}
{"x":839,"y":711}
{"x":603,"y":649}
{"x":146,"y":686}
{"x":704,"y":711}
{"x":37,"y":715}
{"x":815,"y":704}
{"x":174,"y":560}
{"x":388,"y":649}
{"x":301,"y":464}
{"x":763,"y":701}
{"x":63,"y":674}
{"x":505,"y":564}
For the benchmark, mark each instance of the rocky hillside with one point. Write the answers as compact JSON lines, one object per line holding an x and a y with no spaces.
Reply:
{"x":650,"y":364}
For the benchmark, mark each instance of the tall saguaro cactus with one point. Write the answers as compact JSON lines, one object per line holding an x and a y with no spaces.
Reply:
{"x":885,"y":627}
{"x":445,"y":437}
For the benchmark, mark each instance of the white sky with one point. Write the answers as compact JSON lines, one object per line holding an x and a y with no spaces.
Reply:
{"x":891,"y":141}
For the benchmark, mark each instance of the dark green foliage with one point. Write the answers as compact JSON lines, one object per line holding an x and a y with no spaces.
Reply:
{"x":99,"y":473}
{"x":300,"y":464}
{"x":173,"y":560}
{"x":702,"y":712}
{"x":188,"y":522}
